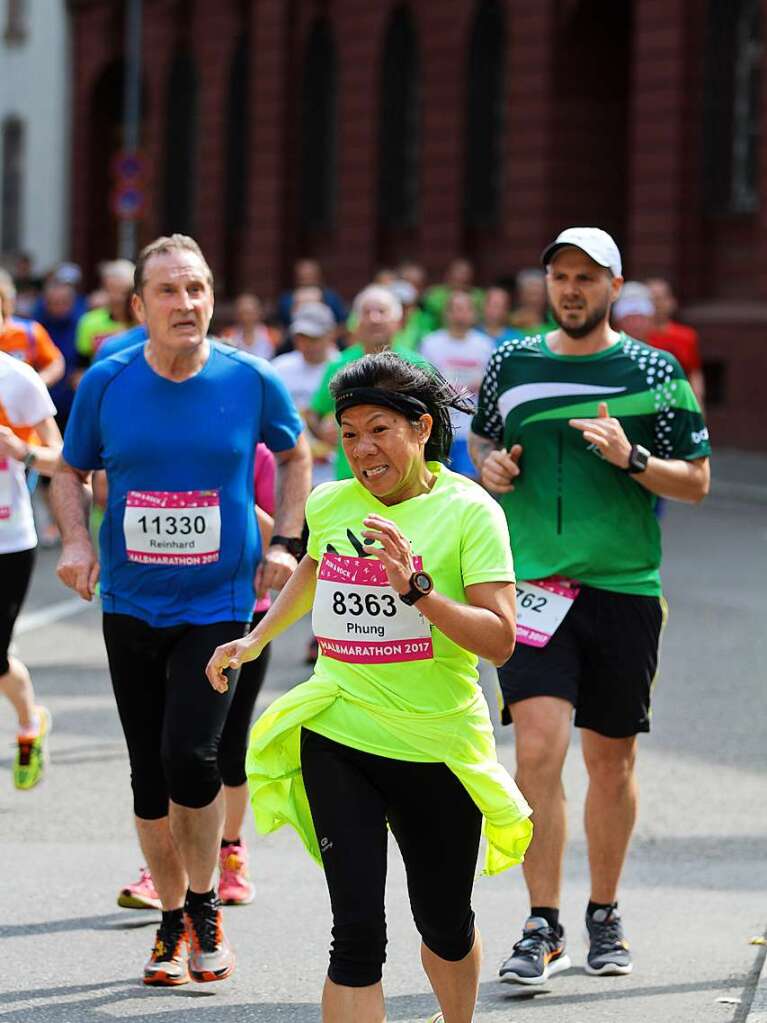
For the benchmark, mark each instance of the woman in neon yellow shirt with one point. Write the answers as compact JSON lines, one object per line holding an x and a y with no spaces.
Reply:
{"x":409,"y":576}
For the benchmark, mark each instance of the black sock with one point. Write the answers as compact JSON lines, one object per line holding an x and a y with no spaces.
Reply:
{"x":231,"y":841}
{"x":196,"y":899}
{"x":594,"y":906}
{"x":549,"y":914}
{"x":173,"y":918}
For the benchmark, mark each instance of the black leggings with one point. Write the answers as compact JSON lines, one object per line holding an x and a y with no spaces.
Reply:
{"x":234,"y":740}
{"x":15,"y":573}
{"x":437,"y":826}
{"x":183,"y":737}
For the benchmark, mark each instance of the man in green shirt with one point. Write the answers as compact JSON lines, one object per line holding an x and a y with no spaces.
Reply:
{"x":579,"y":431}
{"x":378,"y":315}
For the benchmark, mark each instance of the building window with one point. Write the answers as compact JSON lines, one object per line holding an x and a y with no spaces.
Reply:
{"x":16,"y":15}
{"x":319,"y":95}
{"x":237,"y":154}
{"x":484,"y":117}
{"x":12,"y":184}
{"x":399,"y":124}
{"x":732,"y":106}
{"x":180,"y":146}
{"x":746,"y":108}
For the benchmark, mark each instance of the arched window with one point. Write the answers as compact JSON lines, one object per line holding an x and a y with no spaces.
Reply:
{"x":399,"y":122}
{"x":237,"y":153}
{"x":180,"y":146}
{"x":12,"y":184}
{"x":732,"y":105}
{"x":484,"y":117}
{"x":318,"y":129}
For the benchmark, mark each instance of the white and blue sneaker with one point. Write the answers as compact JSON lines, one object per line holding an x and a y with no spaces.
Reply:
{"x":538,"y":955}
{"x":608,"y":949}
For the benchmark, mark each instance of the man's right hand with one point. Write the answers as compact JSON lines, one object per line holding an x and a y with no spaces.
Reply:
{"x":79,"y":568}
{"x":500,"y":469}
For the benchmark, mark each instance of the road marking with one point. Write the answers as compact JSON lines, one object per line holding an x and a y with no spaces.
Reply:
{"x":758,"y":1009}
{"x":49,"y":614}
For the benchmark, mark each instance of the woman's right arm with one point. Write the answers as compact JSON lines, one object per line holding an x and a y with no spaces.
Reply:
{"x":293,"y":602}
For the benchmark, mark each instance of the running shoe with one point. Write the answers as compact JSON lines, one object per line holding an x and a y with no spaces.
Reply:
{"x":32,"y":753}
{"x":608,"y":949}
{"x":538,"y":954}
{"x":167,"y":965}
{"x":439,"y":1018}
{"x":234,"y":886}
{"x":142,"y":894}
{"x":210,"y":955}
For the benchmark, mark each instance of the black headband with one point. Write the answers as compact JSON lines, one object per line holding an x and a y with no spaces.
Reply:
{"x":406,"y":405}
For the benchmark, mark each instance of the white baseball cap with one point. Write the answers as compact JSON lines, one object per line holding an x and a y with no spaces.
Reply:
{"x":313,"y":319}
{"x":595,"y":242}
{"x":635,"y":300}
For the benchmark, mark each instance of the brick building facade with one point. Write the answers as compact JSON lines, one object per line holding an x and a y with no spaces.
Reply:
{"x":364,"y":132}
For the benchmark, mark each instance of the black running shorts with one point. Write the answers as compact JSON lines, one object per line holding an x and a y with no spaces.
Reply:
{"x":602,"y":659}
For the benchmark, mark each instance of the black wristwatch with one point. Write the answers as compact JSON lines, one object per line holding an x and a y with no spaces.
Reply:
{"x":421,"y":584}
{"x":638,"y":459}
{"x":293,"y":545}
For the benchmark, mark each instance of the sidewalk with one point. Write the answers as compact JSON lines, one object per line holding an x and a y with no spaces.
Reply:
{"x":739,"y":475}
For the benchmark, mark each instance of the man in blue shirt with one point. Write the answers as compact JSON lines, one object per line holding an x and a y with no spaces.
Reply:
{"x":175,"y":425}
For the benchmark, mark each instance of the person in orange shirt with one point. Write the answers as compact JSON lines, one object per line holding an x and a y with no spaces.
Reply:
{"x":28,"y":340}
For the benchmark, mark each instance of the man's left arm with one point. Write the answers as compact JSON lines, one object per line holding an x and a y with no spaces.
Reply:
{"x":675,"y":478}
{"x":294,"y":480}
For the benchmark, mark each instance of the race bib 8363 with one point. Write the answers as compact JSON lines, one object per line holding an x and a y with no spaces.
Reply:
{"x":358,"y":617}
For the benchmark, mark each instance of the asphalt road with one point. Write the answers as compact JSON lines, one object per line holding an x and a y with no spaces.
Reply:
{"x":694,"y":888}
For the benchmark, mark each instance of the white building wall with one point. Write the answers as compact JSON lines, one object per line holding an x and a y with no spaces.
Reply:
{"x":34,"y":86}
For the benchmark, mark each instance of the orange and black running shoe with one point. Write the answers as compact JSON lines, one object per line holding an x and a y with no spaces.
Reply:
{"x":210,"y":955}
{"x":167,"y":966}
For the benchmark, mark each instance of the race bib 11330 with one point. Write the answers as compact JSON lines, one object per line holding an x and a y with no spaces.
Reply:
{"x":176,"y":528}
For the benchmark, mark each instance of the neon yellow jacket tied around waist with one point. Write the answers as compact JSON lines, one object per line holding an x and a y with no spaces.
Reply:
{"x":424,"y":708}
{"x":276,"y":785}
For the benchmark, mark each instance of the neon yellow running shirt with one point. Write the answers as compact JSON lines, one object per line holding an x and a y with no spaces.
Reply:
{"x":386,"y":681}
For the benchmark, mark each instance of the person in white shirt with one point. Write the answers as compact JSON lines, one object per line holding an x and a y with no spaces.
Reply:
{"x":29,"y":438}
{"x":313,"y":330}
{"x":461,"y":354}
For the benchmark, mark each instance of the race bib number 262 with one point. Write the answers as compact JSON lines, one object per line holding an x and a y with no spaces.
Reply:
{"x":541,"y":608}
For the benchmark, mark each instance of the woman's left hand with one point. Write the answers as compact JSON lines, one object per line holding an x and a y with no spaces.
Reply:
{"x":394,"y":553}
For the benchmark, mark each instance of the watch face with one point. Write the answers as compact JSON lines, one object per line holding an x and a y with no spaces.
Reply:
{"x":422,"y":582}
{"x":639,"y":457}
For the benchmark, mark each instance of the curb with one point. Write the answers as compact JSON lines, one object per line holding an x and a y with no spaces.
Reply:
{"x":757,"y":1012}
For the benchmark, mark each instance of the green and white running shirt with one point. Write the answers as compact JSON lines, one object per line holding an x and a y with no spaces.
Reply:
{"x":572,"y":513}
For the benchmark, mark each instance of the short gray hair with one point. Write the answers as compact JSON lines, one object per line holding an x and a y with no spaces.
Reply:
{"x":120,"y":268}
{"x":378,"y":293}
{"x":160,"y":247}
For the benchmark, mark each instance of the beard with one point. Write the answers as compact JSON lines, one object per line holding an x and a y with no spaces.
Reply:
{"x":593,"y":320}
